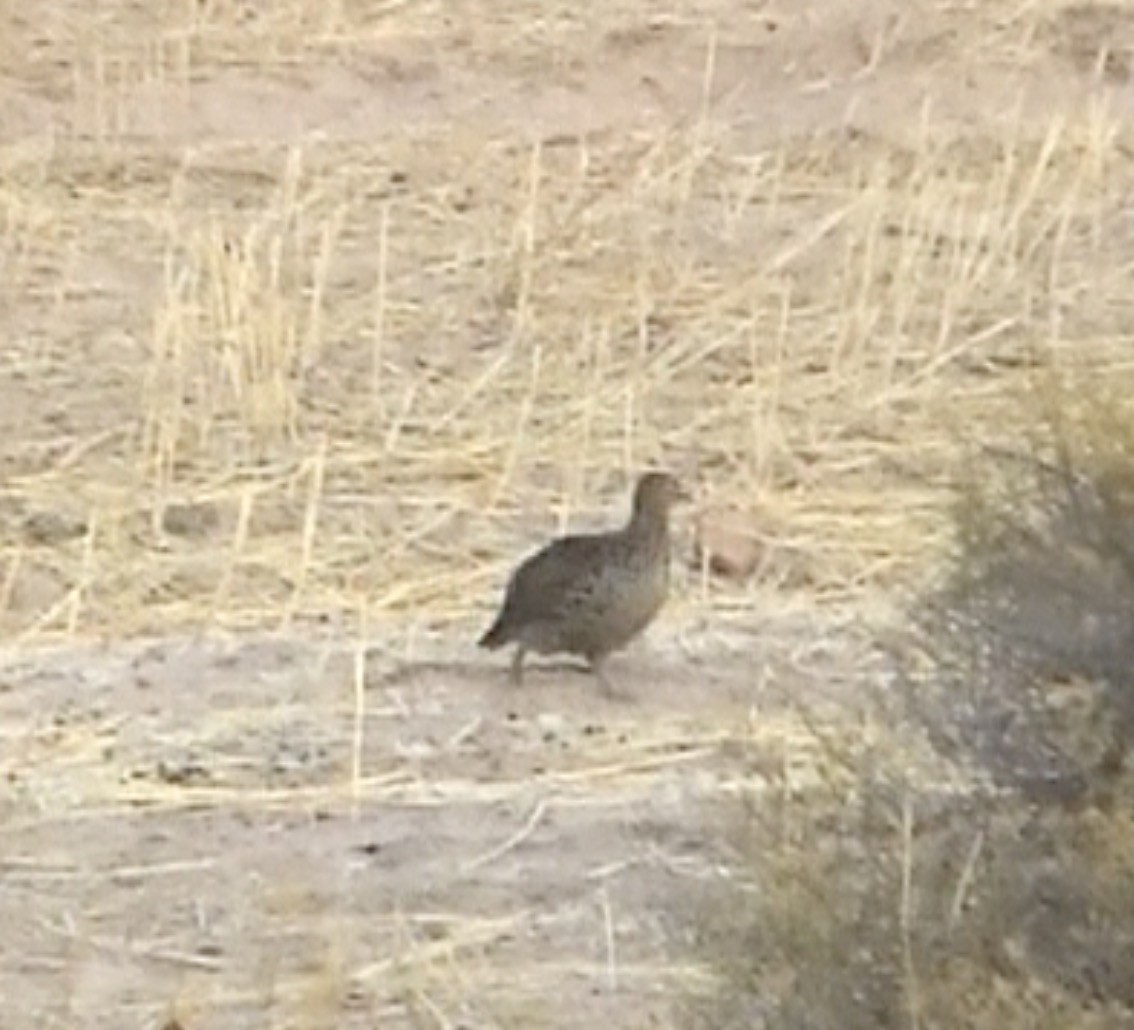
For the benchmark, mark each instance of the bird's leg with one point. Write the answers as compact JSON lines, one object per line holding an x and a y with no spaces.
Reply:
{"x":518,"y":666}
{"x":598,"y":667}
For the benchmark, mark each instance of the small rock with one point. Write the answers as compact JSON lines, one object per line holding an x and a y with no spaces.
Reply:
{"x":181,"y":772}
{"x":54,"y":526}
{"x":190,"y":520}
{"x":730,"y":543}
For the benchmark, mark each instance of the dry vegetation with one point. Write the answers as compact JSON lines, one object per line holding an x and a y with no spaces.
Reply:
{"x":979,"y":875}
{"x":316,"y":314}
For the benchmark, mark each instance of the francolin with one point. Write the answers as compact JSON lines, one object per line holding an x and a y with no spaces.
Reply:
{"x":590,"y":595}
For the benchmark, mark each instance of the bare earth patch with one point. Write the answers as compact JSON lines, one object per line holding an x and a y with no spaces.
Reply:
{"x":225,"y":828}
{"x":316,"y":316}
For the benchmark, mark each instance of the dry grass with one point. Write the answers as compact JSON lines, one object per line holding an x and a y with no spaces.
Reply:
{"x":990,"y":890}
{"x":366,"y":364}
{"x":259,"y":376}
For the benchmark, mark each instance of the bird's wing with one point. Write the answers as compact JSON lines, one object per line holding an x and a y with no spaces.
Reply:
{"x":556,"y":574}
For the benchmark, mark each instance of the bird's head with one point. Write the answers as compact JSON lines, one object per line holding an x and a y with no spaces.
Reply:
{"x":656,"y":493}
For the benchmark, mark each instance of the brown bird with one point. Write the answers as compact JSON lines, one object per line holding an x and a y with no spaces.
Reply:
{"x":590,"y":595}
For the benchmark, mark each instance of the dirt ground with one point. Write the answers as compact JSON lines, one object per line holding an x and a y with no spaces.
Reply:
{"x":315,"y":317}
{"x":204,"y":845}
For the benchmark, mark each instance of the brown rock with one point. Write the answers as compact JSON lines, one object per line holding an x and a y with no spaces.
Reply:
{"x":729,"y":542}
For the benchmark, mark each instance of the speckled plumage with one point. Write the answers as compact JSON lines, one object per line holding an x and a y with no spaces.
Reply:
{"x":590,"y":595}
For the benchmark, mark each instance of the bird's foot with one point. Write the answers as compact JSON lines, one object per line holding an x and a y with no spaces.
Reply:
{"x":607,"y":684}
{"x":516,"y":673}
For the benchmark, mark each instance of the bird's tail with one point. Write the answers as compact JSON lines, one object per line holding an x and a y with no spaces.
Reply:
{"x":497,"y":634}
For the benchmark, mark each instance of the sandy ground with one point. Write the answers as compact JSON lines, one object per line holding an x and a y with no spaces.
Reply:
{"x":219,"y":824}
{"x":205,"y":845}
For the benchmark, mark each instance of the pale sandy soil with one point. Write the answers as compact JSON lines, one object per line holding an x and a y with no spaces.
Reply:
{"x":202,"y":843}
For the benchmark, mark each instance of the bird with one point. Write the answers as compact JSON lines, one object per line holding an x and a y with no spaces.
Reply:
{"x":591,"y":594}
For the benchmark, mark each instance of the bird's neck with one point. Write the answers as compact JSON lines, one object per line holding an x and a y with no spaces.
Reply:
{"x":649,"y":531}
